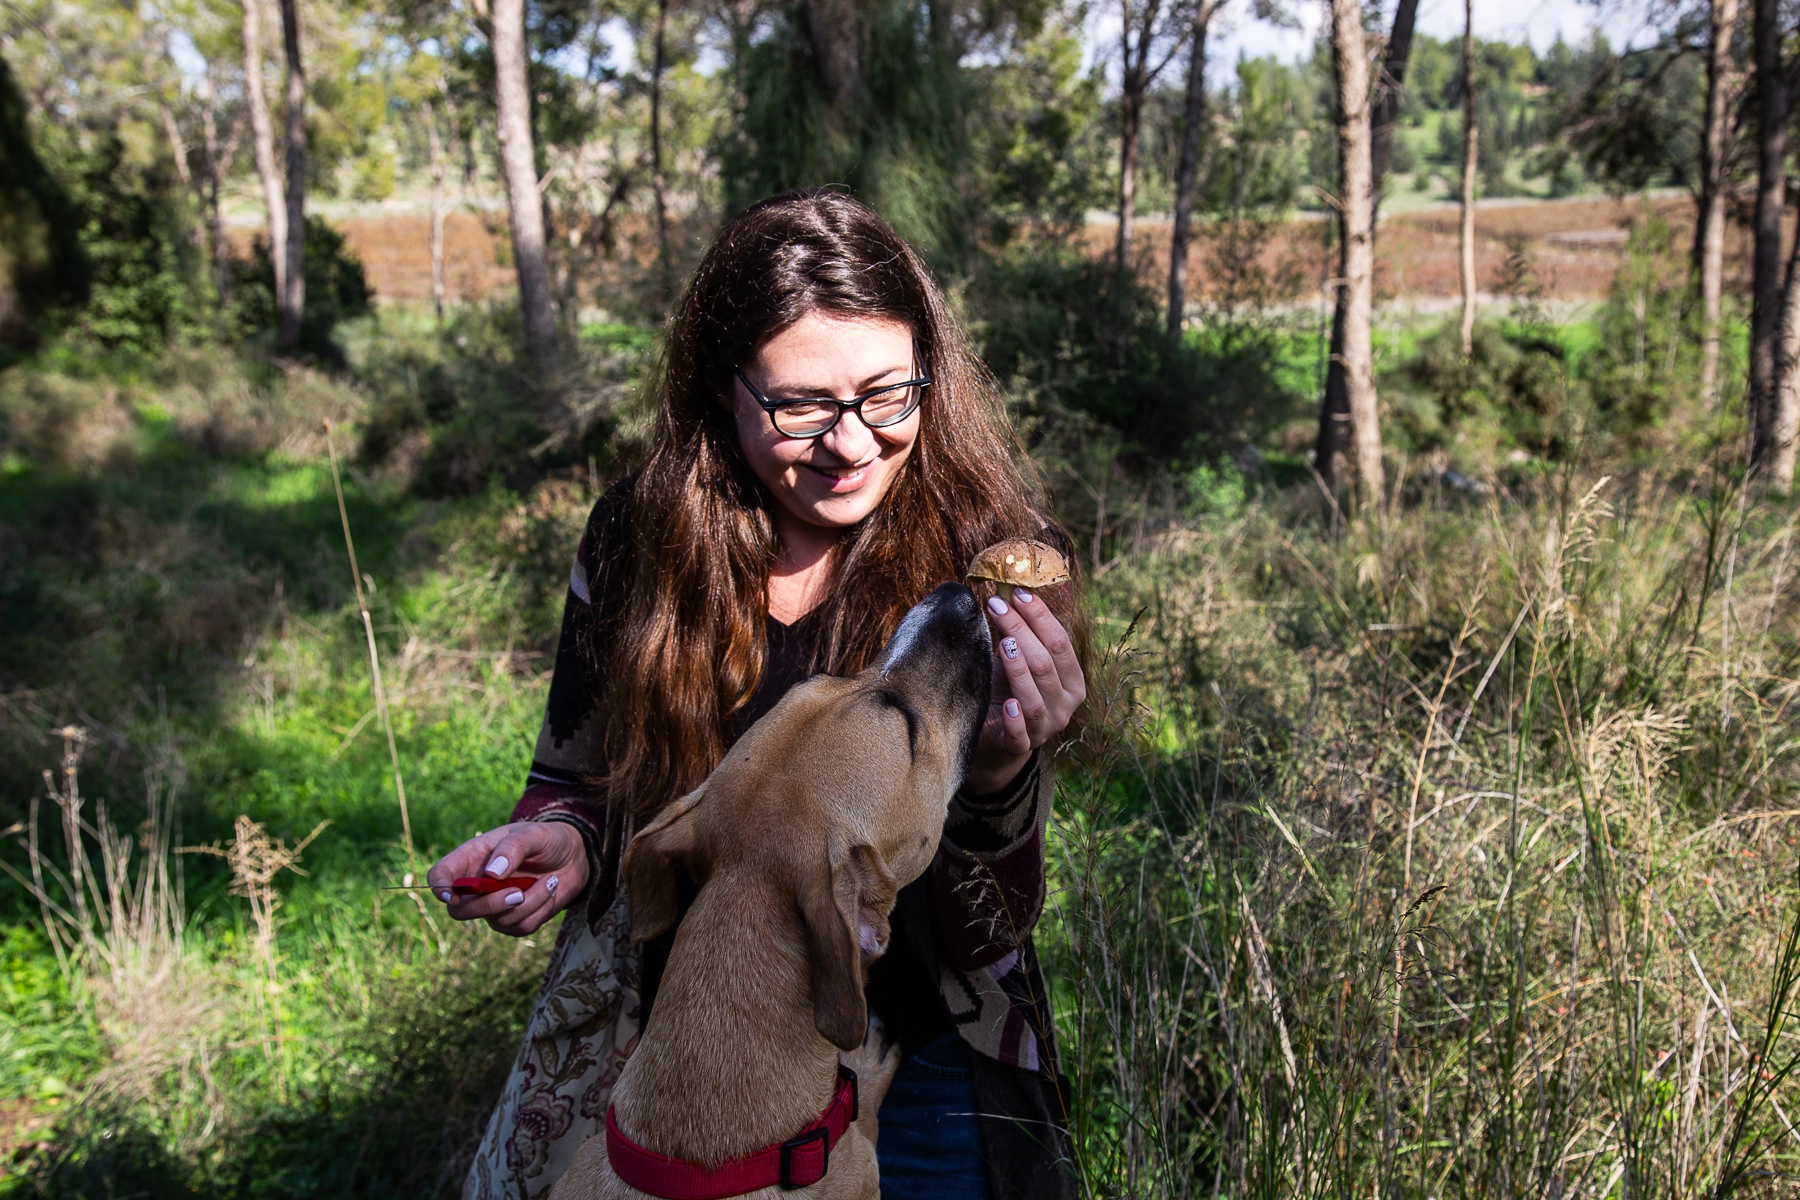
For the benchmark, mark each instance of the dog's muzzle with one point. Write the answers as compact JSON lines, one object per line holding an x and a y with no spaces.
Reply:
{"x":944,"y":649}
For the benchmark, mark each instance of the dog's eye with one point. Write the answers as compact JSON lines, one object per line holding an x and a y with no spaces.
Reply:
{"x":898,"y":702}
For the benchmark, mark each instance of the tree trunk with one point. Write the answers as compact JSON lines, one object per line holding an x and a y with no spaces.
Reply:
{"x":664,"y":278}
{"x":178,"y":147}
{"x":293,"y":291}
{"x":835,"y":30}
{"x":217,"y":165}
{"x":1136,"y":77}
{"x":519,"y":164}
{"x":1356,"y":195}
{"x":1390,"y":91}
{"x":1471,"y":134}
{"x":1334,"y":405}
{"x":262,"y":140}
{"x":1187,"y":175}
{"x":435,"y":148}
{"x":1709,"y":227}
{"x":1784,"y":425}
{"x":1771,"y":183}
{"x":1130,"y":116}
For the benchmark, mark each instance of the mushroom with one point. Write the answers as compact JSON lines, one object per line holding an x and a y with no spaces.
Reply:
{"x":1019,"y":563}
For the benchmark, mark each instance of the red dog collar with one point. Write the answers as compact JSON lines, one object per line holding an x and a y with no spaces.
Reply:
{"x":799,"y":1162}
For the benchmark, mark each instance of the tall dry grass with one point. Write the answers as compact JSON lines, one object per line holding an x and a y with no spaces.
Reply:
{"x":1454,"y":858}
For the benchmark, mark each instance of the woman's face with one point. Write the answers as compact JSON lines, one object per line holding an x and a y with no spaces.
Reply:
{"x":838,"y":478}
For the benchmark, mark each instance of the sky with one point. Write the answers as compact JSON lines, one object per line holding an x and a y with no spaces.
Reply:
{"x":1536,"y":21}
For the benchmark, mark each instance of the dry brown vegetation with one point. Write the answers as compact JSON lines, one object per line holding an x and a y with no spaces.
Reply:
{"x":1576,"y":245}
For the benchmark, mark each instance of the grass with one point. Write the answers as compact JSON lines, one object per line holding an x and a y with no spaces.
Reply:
{"x":1457,"y":857}
{"x":1451,"y":855}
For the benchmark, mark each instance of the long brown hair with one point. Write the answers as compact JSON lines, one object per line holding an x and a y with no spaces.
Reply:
{"x":689,"y":649}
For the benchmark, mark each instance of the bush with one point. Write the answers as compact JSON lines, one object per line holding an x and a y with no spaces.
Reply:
{"x":1402,"y":160}
{"x":1513,"y":390}
{"x":452,"y":414}
{"x":1644,"y":372}
{"x":1071,"y":335}
{"x":148,"y":282}
{"x":336,"y":290}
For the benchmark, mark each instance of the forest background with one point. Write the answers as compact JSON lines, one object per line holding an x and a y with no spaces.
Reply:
{"x":1424,"y":411}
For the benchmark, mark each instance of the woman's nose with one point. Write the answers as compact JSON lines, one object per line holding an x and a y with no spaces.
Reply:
{"x":850,"y":439}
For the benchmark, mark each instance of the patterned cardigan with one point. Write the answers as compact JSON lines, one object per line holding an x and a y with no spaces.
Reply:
{"x":985,"y":889}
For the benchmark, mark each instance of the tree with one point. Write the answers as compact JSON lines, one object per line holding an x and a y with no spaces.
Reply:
{"x":217,"y":157}
{"x":42,"y":264}
{"x":1771,"y":183}
{"x":835,"y":28}
{"x":292,"y":287}
{"x":1391,"y":90}
{"x":1356,"y":200}
{"x":1139,"y":39}
{"x":437,"y":162}
{"x":1709,"y":224}
{"x":1471,"y":136}
{"x":1334,"y":405}
{"x":1784,"y":421}
{"x":1187,"y":174}
{"x":665,"y":280}
{"x":518,"y":164}
{"x":262,"y":143}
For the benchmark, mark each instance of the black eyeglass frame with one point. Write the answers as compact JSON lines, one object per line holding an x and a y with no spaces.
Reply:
{"x":854,"y":404}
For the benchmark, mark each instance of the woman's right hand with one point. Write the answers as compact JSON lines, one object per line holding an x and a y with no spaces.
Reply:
{"x":551,"y":850}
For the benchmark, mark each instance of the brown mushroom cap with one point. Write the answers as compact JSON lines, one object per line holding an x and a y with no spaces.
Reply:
{"x":1020,"y":563}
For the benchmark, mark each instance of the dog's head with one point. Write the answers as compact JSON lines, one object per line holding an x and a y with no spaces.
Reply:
{"x":837,"y":796}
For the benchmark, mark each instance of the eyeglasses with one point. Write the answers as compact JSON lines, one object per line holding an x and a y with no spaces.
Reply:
{"x":815,"y":416}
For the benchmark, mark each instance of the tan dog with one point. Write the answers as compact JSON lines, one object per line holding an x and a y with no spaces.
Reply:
{"x":800,"y":841}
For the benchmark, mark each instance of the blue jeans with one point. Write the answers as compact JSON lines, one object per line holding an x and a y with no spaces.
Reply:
{"x":930,"y":1146}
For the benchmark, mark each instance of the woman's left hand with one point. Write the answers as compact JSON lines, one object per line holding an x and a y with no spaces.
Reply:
{"x":1037,"y":689}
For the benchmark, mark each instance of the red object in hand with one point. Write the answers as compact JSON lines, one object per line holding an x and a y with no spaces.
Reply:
{"x":487,"y":885}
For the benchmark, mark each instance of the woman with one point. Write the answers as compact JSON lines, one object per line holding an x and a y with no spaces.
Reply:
{"x":827,"y":450}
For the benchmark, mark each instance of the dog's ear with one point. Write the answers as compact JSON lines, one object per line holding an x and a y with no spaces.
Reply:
{"x":846,"y":910}
{"x":650,"y":861}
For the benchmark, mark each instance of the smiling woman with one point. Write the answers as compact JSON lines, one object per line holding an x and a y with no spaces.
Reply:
{"x":828,"y":450}
{"x":828,"y":481}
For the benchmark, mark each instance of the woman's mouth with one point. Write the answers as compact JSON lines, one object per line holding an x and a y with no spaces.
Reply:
{"x":841,"y":479}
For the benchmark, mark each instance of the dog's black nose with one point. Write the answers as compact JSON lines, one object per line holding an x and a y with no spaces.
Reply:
{"x":946,"y":636}
{"x":949,"y":616}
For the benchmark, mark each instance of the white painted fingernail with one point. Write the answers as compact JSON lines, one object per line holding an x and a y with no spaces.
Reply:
{"x":1023,"y":596}
{"x":514,"y":899}
{"x":444,"y":896}
{"x":997,"y":606}
{"x":1012,"y":709}
{"x":497,"y":868}
{"x":550,"y":884}
{"x":1010,"y":647}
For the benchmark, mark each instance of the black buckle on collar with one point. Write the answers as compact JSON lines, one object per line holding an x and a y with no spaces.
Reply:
{"x":820,"y":1135}
{"x":849,"y":1076}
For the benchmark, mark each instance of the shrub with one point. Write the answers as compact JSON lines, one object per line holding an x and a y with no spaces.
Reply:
{"x":336,"y":290}
{"x":1513,"y":390}
{"x":148,"y":283}
{"x":452,"y":414}
{"x":1068,"y":334}
{"x":1644,"y":372}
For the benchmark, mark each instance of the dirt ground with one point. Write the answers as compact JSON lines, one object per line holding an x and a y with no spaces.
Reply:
{"x":1573,"y":247}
